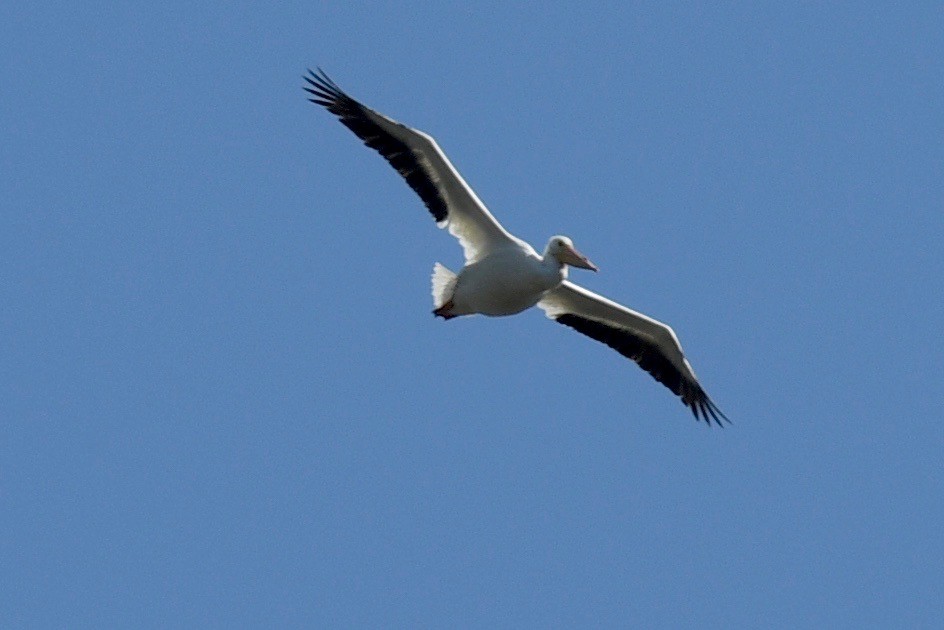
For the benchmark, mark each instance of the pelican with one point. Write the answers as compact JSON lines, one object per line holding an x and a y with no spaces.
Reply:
{"x":503,"y":274}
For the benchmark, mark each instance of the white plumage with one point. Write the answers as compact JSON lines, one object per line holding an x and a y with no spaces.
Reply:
{"x":444,"y":281}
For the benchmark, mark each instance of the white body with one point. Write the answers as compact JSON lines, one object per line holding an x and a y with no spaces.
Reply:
{"x":505,"y":282}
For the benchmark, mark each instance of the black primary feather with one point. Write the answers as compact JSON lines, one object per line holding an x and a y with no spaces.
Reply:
{"x":652,"y":360}
{"x":412,"y":165}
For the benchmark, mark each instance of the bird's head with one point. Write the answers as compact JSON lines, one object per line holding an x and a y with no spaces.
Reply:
{"x":563,"y":250}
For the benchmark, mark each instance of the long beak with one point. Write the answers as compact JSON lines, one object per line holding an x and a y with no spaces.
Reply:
{"x":575,"y":259}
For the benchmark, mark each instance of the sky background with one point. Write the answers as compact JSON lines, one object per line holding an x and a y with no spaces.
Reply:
{"x":224,"y":401}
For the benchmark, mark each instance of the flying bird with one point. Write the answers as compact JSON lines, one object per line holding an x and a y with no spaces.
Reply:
{"x":503,"y":274}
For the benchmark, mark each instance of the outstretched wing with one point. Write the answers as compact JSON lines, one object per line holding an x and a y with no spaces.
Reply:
{"x":423,"y":165}
{"x":648,"y":342}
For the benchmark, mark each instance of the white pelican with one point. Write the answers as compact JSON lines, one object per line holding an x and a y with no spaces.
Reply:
{"x":504,"y":275}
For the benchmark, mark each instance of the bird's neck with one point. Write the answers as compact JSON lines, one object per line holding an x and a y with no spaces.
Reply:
{"x":553,"y":266}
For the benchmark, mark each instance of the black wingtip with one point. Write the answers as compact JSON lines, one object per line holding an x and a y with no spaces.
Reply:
{"x":320,"y":85}
{"x":703,"y":408}
{"x":323,"y":76}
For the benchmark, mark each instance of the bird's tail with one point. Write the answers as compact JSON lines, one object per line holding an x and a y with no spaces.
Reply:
{"x":444,"y":283}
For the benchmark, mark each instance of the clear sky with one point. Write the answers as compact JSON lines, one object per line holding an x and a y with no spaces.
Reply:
{"x":224,"y":401}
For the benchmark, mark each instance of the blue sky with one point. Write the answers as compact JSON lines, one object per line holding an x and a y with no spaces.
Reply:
{"x":224,"y":400}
